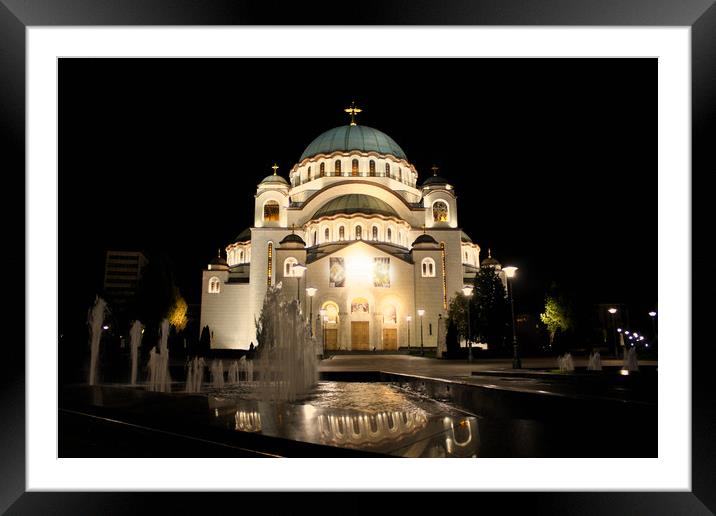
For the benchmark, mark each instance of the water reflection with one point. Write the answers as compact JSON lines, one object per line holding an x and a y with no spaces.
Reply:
{"x":362,"y":429}
{"x":248,"y":421}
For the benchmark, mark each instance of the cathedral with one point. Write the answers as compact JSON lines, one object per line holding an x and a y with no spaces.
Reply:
{"x":372,"y":255}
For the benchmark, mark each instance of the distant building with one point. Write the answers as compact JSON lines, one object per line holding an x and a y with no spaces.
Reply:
{"x":122,"y":272}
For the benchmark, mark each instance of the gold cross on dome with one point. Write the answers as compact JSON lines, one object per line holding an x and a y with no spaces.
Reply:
{"x":353,"y":111}
{"x":434,"y":168}
{"x":275,"y":168}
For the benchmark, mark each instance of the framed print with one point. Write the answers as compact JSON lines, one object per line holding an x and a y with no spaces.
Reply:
{"x":566,"y":140}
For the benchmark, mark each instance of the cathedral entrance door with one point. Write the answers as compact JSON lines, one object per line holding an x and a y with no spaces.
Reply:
{"x":331,"y":338}
{"x":359,"y":335}
{"x":390,"y":339}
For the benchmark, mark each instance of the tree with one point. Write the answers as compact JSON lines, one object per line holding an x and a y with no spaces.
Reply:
{"x":205,"y":340}
{"x":489,"y":309}
{"x":457,"y":316}
{"x":177,"y":313}
{"x":557,"y":315}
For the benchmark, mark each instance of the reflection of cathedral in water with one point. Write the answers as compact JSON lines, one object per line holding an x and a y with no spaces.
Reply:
{"x":372,"y":251}
{"x":365,"y":429}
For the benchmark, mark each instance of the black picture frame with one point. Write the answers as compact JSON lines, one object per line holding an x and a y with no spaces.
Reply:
{"x":17,"y":15}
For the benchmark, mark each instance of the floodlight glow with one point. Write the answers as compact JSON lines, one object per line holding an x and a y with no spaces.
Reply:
{"x":359,"y":268}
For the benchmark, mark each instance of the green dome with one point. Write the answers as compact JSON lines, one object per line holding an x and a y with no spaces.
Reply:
{"x":355,"y":203}
{"x":353,"y":137}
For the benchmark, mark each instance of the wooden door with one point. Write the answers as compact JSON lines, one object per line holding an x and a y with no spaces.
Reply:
{"x":331,"y":338}
{"x":359,"y":335}
{"x":390,"y":339}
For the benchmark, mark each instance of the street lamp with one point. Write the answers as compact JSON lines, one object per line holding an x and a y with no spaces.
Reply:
{"x":613,"y":311}
{"x":467,"y":292}
{"x":421,"y":312}
{"x":324,"y":319}
{"x":298,"y":270}
{"x":408,"y":319}
{"x":311,"y":291}
{"x":516,"y":362}
{"x":652,"y":314}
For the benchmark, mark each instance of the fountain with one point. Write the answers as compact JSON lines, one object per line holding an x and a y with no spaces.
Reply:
{"x":158,"y":364}
{"x":595,"y":362}
{"x":630,"y":361}
{"x":195,"y":374}
{"x":135,"y":339}
{"x":287,"y":359}
{"x":217,"y":374}
{"x":95,"y":320}
{"x":233,"y":374}
{"x":566,"y":363}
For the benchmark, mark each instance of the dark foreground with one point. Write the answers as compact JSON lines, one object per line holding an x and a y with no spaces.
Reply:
{"x":488,"y":414}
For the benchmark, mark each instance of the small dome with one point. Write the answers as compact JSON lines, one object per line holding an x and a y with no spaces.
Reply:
{"x":244,"y":236}
{"x":425,"y":239}
{"x":355,"y":203}
{"x":490,"y":261}
{"x":218,"y":263}
{"x":353,"y":138}
{"x":292,"y":238}
{"x":435,"y":180}
{"x":274,"y":179}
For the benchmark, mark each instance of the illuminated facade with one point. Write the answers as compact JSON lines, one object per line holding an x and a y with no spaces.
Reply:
{"x":378,"y":248}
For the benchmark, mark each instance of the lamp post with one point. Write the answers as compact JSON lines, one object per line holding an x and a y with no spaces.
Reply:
{"x":324,"y":319}
{"x":310,"y":292}
{"x":467,"y":292}
{"x":516,"y":362}
{"x":652,"y":315}
{"x":408,"y":319}
{"x":421,"y":312}
{"x":613,"y":311}
{"x":298,"y":270}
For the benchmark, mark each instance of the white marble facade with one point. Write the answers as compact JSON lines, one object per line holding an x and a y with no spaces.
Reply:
{"x":379,"y":248}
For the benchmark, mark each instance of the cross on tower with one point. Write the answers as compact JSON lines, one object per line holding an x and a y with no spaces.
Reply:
{"x":434,"y":168}
{"x":275,"y":168}
{"x":353,"y":111}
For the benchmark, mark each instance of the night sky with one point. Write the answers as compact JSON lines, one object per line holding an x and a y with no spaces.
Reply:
{"x":554,"y":160}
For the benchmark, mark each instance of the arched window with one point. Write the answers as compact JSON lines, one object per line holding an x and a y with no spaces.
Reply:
{"x":338,"y":168}
{"x":309,"y":174}
{"x":354,"y":167}
{"x":331,"y":312}
{"x":241,"y":257}
{"x":466,"y":257}
{"x":400,"y":175}
{"x":428,"y":268}
{"x":271,"y":211}
{"x":342,"y":233}
{"x":400,"y":237}
{"x":315,"y":238}
{"x":389,"y":235}
{"x":387,"y":170}
{"x":214,"y":285}
{"x":359,"y":233}
{"x":298,"y":179}
{"x":371,"y":168}
{"x":375,"y":232}
{"x":440,"y":212}
{"x":288,"y":266}
{"x":322,"y":169}
{"x":326,"y":235}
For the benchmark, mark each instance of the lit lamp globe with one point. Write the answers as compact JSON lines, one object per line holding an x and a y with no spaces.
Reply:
{"x":467,"y":290}
{"x":510,"y":271}
{"x":612,"y":311}
{"x":652,"y":314}
{"x":421,"y":312}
